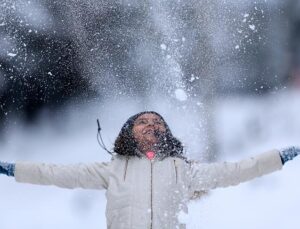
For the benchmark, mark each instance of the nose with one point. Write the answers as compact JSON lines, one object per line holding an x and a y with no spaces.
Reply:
{"x":151,"y":123}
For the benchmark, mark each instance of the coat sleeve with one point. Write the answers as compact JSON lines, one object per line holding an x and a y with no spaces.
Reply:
{"x":209,"y":176}
{"x":87,"y":176}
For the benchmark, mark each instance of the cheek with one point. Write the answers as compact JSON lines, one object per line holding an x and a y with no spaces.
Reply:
{"x":136,"y":133}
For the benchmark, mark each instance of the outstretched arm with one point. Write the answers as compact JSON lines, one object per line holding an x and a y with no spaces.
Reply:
{"x":214,"y":175}
{"x":88,"y":176}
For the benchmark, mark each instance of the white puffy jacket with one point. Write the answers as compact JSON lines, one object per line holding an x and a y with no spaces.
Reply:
{"x":144,"y":194}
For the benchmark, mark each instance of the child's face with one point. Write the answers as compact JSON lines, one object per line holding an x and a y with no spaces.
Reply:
{"x":146,"y":130}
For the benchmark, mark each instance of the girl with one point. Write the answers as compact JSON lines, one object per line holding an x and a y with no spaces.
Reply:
{"x":149,"y":180}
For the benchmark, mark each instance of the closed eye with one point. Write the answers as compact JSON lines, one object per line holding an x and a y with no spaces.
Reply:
{"x":141,"y":121}
{"x":146,"y":121}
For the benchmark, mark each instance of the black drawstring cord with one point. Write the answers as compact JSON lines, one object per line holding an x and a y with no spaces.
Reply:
{"x":100,"y":140}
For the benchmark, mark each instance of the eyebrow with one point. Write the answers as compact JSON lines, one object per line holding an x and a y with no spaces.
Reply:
{"x":138,"y":119}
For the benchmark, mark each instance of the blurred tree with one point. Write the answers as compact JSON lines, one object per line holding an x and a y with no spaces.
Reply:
{"x":38,"y":66}
{"x":292,"y":9}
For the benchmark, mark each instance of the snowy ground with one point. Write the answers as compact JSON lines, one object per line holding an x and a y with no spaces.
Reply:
{"x":246,"y":126}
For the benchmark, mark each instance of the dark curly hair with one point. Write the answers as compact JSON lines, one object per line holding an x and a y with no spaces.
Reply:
{"x":126,"y":145}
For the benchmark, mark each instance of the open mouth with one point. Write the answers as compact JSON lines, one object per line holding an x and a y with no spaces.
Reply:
{"x":152,"y":132}
{"x":148,"y":132}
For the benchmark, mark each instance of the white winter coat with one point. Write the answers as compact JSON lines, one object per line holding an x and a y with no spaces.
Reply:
{"x":144,"y":194}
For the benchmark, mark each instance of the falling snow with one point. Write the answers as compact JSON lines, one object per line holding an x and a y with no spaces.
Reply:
{"x":180,"y":94}
{"x":163,"y":46}
{"x":217,"y":70}
{"x":252,"y":27}
{"x":11,"y":54}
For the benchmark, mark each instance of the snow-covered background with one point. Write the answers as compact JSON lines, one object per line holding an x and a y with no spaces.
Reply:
{"x":245,"y":127}
{"x":224,"y":74}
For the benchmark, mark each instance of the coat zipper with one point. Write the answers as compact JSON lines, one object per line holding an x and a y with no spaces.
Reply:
{"x":125,"y":169}
{"x":151,"y":197}
{"x":176,"y":174}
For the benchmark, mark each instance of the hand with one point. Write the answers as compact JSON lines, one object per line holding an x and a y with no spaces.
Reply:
{"x":7,"y":168}
{"x":2,"y":171}
{"x":289,"y":153}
